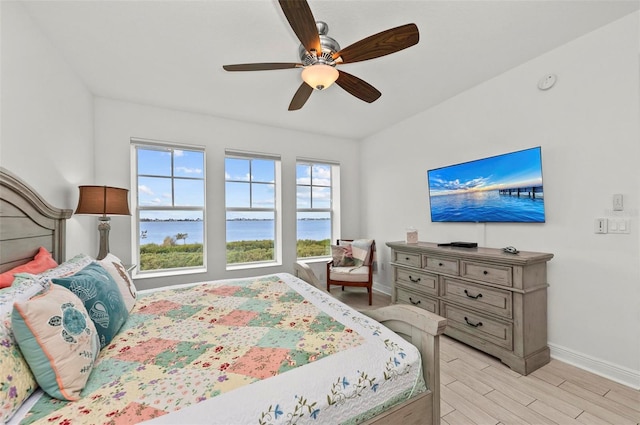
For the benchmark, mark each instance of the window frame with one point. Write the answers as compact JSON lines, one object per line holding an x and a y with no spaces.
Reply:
{"x":135,"y":216}
{"x":334,"y":203}
{"x":277,"y":205}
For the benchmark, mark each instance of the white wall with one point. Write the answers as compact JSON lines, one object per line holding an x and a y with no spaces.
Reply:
{"x":47,"y":120}
{"x":116,"y":122}
{"x":588,"y":127}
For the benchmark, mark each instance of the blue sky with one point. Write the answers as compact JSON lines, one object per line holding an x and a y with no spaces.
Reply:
{"x":516,"y":169}
{"x":260,"y":193}
{"x":313,"y":186}
{"x":154,"y":188}
{"x":249,"y":183}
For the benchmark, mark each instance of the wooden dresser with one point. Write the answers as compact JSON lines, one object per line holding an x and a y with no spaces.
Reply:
{"x":493,"y":301}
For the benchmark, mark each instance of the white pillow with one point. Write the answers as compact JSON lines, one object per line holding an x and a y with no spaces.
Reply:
{"x":119,"y":273}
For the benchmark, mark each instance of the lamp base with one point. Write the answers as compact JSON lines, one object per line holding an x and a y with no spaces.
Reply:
{"x":103,"y":227}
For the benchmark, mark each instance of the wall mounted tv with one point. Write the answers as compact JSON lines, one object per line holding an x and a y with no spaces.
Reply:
{"x":503,"y":188}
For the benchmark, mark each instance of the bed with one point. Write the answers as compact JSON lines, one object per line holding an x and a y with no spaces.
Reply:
{"x":263,"y":349}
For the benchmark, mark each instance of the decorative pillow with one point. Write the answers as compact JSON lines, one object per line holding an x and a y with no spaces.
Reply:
{"x":101,"y":297}
{"x":41,"y":262}
{"x":67,"y":268}
{"x":361,"y":249}
{"x":22,"y":289}
{"x":16,"y":380}
{"x":58,"y":341}
{"x":342,"y":256}
{"x":119,"y":273}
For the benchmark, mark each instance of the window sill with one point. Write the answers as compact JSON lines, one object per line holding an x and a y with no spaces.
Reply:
{"x":168,"y":273}
{"x":314,"y":260}
{"x":253,"y":265}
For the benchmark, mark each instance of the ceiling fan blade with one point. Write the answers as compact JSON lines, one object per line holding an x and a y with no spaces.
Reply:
{"x":301,"y":96}
{"x":299,"y":15}
{"x":381,"y":44}
{"x":357,"y":87}
{"x":261,"y":66}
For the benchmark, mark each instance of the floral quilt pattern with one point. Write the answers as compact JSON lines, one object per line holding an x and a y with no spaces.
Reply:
{"x":183,"y":346}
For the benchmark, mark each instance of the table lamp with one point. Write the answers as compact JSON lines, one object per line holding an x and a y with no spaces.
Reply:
{"x":104,"y":201}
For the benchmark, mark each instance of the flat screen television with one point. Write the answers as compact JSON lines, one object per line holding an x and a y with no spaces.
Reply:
{"x":505,"y":188}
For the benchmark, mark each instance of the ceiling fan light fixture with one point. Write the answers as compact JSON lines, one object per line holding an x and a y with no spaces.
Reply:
{"x":319,"y":76}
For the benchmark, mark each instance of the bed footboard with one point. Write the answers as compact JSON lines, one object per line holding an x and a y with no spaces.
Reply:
{"x":422,"y":329}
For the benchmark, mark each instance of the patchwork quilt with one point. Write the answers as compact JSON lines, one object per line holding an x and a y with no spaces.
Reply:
{"x":263,"y":350}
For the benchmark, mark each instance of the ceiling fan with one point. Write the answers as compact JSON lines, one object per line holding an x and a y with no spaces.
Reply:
{"x":319,"y":54}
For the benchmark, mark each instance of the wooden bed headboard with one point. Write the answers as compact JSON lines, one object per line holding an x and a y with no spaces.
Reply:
{"x":28,"y":222}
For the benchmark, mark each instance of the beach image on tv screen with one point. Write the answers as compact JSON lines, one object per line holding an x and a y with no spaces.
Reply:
{"x":503,"y":188}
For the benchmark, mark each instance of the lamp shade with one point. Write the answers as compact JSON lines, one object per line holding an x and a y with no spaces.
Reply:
{"x":320,"y":76}
{"x":103,"y":200}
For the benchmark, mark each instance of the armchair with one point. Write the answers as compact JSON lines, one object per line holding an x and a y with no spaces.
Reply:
{"x":352,"y":264}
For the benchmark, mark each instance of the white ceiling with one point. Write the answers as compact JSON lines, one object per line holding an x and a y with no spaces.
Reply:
{"x":170,"y":53}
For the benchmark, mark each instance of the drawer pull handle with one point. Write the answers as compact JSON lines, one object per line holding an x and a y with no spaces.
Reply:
{"x":414,"y":302}
{"x":485,"y":272}
{"x":475,"y":325}
{"x":440,"y":264}
{"x":414,"y":280}
{"x":475,"y":297}
{"x":407,"y":258}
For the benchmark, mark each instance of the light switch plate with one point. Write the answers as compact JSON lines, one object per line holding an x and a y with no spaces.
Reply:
{"x":618,"y":202}
{"x":600,"y":225}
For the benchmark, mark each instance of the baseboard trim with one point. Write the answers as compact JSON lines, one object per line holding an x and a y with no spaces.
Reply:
{"x":620,"y":374}
{"x":383,"y":289}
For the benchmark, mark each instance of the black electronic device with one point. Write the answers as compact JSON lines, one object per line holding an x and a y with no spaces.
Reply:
{"x":464,"y":244}
{"x":460,"y":244}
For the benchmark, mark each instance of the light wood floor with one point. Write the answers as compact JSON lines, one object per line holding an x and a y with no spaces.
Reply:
{"x":478,"y":389}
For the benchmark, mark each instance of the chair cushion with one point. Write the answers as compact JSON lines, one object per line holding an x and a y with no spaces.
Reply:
{"x":350,"y":274}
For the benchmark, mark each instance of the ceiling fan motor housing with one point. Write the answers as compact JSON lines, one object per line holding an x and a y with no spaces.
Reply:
{"x":329,"y":47}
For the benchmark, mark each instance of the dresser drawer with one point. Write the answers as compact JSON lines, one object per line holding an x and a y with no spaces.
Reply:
{"x":423,"y":282}
{"x":405,"y":296}
{"x":479,"y":297}
{"x":478,"y":325}
{"x":499,"y":275}
{"x":440,"y":265}
{"x":407,"y":258}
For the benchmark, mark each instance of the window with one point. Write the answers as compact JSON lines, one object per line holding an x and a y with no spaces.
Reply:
{"x":252,"y":204}
{"x":170,"y":209}
{"x":317,"y":208}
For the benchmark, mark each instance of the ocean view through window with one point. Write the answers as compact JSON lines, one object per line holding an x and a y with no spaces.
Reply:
{"x":252,"y":204}
{"x":170,"y":207}
{"x":315,"y":208}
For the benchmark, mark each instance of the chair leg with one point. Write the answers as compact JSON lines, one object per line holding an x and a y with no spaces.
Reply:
{"x":343,"y":288}
{"x":370,"y":294}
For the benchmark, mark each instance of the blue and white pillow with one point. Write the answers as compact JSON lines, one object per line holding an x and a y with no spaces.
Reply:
{"x":58,"y":341}
{"x":101,"y":297}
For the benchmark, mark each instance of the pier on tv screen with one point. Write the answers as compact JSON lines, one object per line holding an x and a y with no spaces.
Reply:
{"x":504,"y":188}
